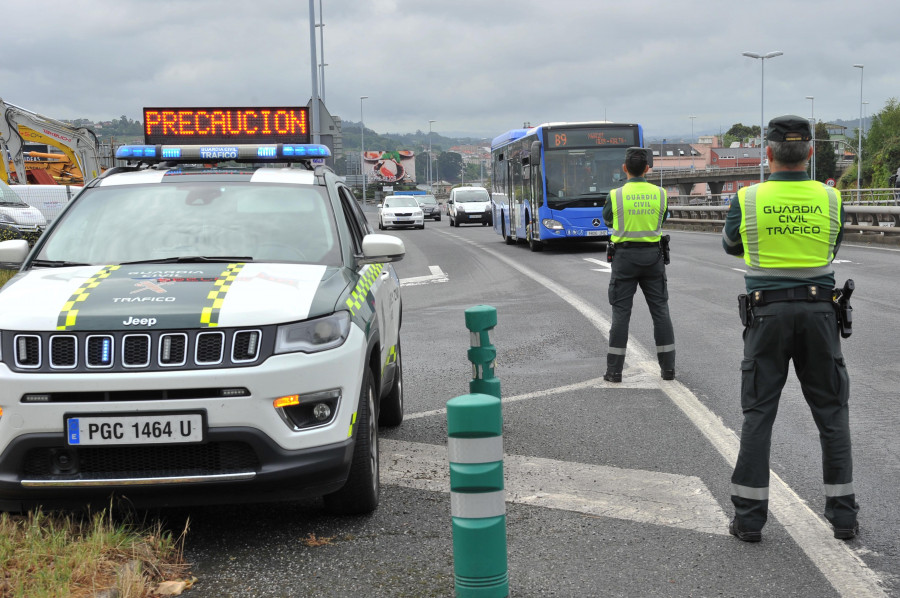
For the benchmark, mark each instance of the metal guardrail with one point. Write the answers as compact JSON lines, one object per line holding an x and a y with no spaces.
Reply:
{"x":883,"y":220}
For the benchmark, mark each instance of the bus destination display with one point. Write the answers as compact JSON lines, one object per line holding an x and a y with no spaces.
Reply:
{"x":172,"y":126}
{"x":594,"y":137}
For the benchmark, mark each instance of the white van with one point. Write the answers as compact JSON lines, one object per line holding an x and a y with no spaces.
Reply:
{"x":18,"y":214}
{"x":48,"y":199}
{"x":470,"y":205}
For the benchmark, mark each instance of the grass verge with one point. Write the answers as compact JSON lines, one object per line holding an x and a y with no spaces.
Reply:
{"x":6,"y":275}
{"x":80,"y":556}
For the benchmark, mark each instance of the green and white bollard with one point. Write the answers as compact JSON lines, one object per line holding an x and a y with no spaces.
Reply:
{"x":480,"y":320}
{"x":477,"y":495}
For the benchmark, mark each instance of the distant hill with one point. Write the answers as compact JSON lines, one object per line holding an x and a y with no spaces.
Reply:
{"x":417,"y":141}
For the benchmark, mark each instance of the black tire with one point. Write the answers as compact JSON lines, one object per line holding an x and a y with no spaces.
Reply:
{"x":360,"y":494}
{"x":421,"y":227}
{"x":390,"y":411}
{"x":380,"y":224}
{"x":533,"y":244}
{"x":507,"y":238}
{"x":456,"y":223}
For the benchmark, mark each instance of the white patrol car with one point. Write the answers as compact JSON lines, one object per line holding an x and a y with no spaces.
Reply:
{"x":196,"y":334}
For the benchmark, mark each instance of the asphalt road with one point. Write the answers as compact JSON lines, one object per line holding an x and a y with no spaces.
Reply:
{"x":612,"y":490}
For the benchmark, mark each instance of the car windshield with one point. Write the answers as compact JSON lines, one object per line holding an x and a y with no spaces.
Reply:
{"x":401,"y":201}
{"x":259,"y":221}
{"x":587,"y":174}
{"x":9,"y":198}
{"x":471,"y":195}
{"x":426,"y":200}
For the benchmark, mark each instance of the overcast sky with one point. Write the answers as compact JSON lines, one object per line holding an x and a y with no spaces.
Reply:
{"x":476,"y":67}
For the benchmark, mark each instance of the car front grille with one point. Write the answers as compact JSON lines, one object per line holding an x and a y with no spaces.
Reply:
{"x":121,"y":351}
{"x":131,"y":462}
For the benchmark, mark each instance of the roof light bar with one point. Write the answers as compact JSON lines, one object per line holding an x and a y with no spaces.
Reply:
{"x":280,"y":152}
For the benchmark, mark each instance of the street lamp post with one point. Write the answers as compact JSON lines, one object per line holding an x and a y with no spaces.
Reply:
{"x":812,"y":118}
{"x":362,"y":143}
{"x":859,"y":133}
{"x":692,"y":141}
{"x":430,"y":122}
{"x":762,"y":97}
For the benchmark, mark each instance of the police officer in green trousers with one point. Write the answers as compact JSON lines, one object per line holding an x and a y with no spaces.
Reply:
{"x":788,"y":230}
{"x":634,"y":214}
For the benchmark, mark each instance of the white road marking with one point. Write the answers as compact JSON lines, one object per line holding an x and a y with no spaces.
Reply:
{"x":846,"y":572}
{"x":633,"y":378}
{"x":437,"y":275}
{"x":643,"y":496}
{"x":604,"y":265}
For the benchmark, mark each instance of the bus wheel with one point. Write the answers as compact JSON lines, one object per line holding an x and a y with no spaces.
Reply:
{"x":507,"y":238}
{"x":533,"y":244}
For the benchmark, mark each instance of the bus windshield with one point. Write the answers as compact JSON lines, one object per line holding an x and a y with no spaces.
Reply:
{"x":582,"y":176}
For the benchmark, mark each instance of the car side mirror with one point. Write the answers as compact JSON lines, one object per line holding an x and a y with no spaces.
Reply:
{"x":14,"y":251}
{"x":381,"y":248}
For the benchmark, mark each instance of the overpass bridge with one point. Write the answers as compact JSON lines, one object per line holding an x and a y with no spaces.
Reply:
{"x":686,"y":178}
{"x":715,"y":178}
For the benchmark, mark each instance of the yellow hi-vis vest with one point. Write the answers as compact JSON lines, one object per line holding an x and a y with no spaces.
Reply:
{"x":789,"y":228}
{"x":638,"y":210}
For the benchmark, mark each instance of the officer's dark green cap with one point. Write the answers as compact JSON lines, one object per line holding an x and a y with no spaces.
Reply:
{"x":789,"y":128}
{"x":640,"y":150}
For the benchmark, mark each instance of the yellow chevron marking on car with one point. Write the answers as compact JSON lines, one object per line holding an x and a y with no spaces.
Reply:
{"x":210,"y":314}
{"x":358,"y":295}
{"x":68,"y":314}
{"x":391,"y":358}
{"x":352,"y":423}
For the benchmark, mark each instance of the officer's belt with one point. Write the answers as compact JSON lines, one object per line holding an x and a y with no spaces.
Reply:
{"x":809,"y":293}
{"x":628,"y":244}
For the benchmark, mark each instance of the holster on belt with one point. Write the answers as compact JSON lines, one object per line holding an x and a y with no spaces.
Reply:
{"x":610,"y":251}
{"x":745,"y":310}
{"x":664,"y":246}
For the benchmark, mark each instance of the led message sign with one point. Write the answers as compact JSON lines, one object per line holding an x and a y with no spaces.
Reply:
{"x":592,"y":137}
{"x":172,"y":126}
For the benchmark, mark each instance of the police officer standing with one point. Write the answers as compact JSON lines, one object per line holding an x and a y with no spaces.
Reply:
{"x":788,"y":230}
{"x":634,"y":214}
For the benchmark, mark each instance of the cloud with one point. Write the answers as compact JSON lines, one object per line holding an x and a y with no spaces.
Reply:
{"x":477,"y":68}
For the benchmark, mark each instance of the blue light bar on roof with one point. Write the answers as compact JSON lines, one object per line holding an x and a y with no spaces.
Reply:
{"x":130,"y":152}
{"x":205,"y":154}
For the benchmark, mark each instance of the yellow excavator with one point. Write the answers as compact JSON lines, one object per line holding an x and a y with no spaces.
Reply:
{"x":78,"y":164}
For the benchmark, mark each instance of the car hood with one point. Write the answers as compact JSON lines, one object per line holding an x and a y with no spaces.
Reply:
{"x":27,"y":216}
{"x":166,"y":296}
{"x":474,"y":206}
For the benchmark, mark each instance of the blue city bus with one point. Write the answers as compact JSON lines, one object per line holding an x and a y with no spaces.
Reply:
{"x":550,"y":182}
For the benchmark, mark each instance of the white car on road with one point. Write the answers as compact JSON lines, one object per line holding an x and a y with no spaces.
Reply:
{"x":400,"y":210}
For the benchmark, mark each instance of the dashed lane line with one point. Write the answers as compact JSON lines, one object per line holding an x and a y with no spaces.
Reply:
{"x":437,"y":275}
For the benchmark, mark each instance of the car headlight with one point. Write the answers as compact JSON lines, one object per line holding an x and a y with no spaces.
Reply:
{"x":552,"y":224}
{"x":460,"y":208}
{"x":315,"y":335}
{"x":417,"y":213}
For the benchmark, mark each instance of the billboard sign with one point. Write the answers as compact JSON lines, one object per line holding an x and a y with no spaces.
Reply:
{"x":390,"y":166}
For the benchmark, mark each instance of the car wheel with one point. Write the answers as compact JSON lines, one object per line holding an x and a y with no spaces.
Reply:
{"x":438,"y":219}
{"x":451,"y":220}
{"x":390,"y":411}
{"x":456,"y":223}
{"x":421,"y":227}
{"x":380,"y":224}
{"x":485,"y":223}
{"x":360,"y":494}
{"x":507,"y":238}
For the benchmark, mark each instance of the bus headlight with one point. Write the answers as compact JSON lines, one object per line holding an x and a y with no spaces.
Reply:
{"x":551,"y":224}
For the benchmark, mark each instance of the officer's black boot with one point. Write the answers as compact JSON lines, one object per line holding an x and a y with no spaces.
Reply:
{"x":614,"y":366}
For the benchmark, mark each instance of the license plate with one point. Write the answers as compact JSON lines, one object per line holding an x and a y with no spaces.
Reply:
{"x":474,"y":216}
{"x":595,"y":233}
{"x":173,"y":428}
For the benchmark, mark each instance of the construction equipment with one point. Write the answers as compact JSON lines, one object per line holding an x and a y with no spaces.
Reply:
{"x":18,"y":125}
